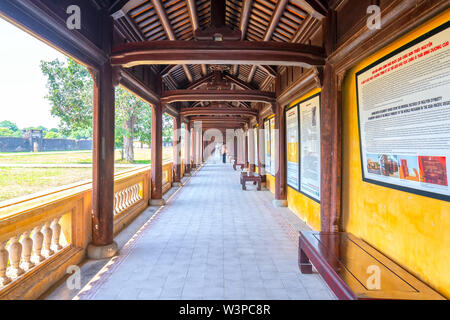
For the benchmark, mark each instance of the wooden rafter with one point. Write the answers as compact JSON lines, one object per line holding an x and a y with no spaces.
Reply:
{"x":161,"y":12}
{"x":278,"y":12}
{"x":192,"y":8}
{"x":243,"y":24}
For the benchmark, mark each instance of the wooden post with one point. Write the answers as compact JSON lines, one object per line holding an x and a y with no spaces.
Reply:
{"x":177,"y":149}
{"x":157,"y":112}
{"x":251,"y":149}
{"x":235,"y":149}
{"x":188,"y":148}
{"x":261,"y":149}
{"x":103,"y":245}
{"x":246,"y":148}
{"x":280,"y":158}
{"x":330,"y":124}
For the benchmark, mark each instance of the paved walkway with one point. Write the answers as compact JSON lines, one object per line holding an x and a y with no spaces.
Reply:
{"x":211,"y":241}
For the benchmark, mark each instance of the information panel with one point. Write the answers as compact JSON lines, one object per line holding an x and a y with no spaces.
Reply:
{"x":310,"y":147}
{"x":404,"y":117}
{"x":267,"y":147}
{"x":292,"y":147}
{"x":272,"y":146}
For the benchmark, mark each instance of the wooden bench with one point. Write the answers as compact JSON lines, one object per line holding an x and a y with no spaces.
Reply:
{"x":235,"y":164}
{"x":354,"y":270}
{"x":250,"y":176}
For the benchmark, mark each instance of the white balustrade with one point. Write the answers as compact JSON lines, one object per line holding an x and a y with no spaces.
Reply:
{"x":24,"y":251}
{"x":126,"y":198}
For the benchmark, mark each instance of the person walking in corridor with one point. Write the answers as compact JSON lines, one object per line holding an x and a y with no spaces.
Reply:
{"x":224,"y":154}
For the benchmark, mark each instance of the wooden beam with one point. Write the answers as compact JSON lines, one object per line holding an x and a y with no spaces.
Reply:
{"x":242,"y":84}
{"x":269,"y":70}
{"x":218,"y":95}
{"x":161,"y":12}
{"x":316,"y":10}
{"x":217,"y":52}
{"x":245,"y":15}
{"x":217,"y":111}
{"x":221,"y":120}
{"x":199,"y":82}
{"x":129,"y":81}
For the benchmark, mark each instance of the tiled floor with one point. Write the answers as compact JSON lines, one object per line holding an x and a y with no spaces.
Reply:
{"x":211,"y":241}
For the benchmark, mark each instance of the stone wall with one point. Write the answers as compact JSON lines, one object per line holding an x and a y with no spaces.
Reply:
{"x":12,"y":144}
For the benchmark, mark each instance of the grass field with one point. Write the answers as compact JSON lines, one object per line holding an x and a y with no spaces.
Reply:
{"x":142,"y":156}
{"x":16,"y":182}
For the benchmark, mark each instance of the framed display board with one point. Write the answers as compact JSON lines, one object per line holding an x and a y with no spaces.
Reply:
{"x":292,"y":144}
{"x":267,"y":145}
{"x":272,"y":147}
{"x":309,"y":115}
{"x":403,"y":102}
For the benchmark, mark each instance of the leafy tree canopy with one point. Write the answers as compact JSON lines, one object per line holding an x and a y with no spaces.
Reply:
{"x":8,"y":124}
{"x":7,"y":132}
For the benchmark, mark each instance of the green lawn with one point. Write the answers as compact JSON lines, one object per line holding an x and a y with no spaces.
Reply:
{"x":16,"y":182}
{"x":142,"y":156}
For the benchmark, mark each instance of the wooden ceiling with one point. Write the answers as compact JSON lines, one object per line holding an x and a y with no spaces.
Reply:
{"x":258,"y":20}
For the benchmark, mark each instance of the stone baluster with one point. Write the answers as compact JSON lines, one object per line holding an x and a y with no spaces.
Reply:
{"x":116,"y":211}
{"x":4,"y":257}
{"x":127,"y":197}
{"x":47,"y":232}
{"x":27,"y":247}
{"x":56,"y":227}
{"x":15,"y":253}
{"x":38,"y":239}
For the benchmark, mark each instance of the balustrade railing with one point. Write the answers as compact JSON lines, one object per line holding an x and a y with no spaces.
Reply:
{"x":167,"y":175}
{"x":41,"y":235}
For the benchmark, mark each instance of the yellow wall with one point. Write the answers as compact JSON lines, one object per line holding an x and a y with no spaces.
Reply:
{"x":412,"y":230}
{"x":307,"y":209}
{"x":270,"y":183}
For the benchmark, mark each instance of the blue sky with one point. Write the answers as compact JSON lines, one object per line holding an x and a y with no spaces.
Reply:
{"x":22,"y":85}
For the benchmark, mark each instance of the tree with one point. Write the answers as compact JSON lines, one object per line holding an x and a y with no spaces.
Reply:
{"x":8,"y":124}
{"x":167,"y":128}
{"x":132,"y":116}
{"x":7,"y":132}
{"x":70,"y":93}
{"x":52,"y":135}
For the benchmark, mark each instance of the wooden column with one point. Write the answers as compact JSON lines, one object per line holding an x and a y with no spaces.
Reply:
{"x":157,"y":112}
{"x":246,"y":148}
{"x":280,"y":157}
{"x":251,"y":149}
{"x":188,"y":148}
{"x":177,"y":149}
{"x":235,"y":149}
{"x":261,"y":148}
{"x":330,"y":186}
{"x":103,"y":245}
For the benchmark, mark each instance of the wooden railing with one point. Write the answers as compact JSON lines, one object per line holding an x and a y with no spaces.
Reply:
{"x":131,"y":196}
{"x":41,"y":235}
{"x":167,"y":173}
